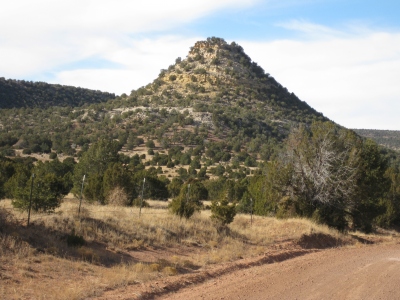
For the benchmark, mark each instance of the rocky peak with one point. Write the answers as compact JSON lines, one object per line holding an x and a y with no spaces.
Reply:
{"x":221,"y":78}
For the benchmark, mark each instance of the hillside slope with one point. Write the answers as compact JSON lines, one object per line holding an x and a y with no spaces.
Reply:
{"x":216,"y":98}
{"x":387,"y":138}
{"x":220,"y":79}
{"x":20,"y":93}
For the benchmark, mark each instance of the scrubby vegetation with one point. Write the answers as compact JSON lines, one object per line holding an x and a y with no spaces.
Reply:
{"x":215,"y":120}
{"x":213,"y":139}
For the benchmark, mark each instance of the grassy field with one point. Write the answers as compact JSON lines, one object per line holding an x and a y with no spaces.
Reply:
{"x":69,"y":256}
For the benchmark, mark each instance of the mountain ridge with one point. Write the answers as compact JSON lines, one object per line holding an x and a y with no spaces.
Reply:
{"x":387,"y":138}
{"x":21,"y":93}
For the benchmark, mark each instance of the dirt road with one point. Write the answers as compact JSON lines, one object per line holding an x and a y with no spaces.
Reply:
{"x":369,"y":272}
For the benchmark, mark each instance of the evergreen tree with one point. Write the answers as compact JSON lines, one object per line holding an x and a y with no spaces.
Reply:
{"x":93,"y":164}
{"x":222,"y":211}
{"x":48,"y":189}
{"x":189,"y":199}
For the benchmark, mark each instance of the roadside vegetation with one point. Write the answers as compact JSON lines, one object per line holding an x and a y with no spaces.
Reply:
{"x":70,"y":256}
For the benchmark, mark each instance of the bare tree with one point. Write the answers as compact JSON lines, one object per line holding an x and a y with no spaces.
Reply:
{"x":324,"y":163}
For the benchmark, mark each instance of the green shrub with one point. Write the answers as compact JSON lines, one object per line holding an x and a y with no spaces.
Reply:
{"x":223,"y":212}
{"x":150,"y":144}
{"x":74,"y":240}
{"x":183,"y":207}
{"x":188,"y":201}
{"x":27,"y":151}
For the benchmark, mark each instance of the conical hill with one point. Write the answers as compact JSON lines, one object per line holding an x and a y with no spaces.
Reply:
{"x":218,"y":79}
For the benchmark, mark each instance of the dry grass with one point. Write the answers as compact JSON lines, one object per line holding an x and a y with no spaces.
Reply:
{"x":118,"y":197}
{"x":120,"y":248}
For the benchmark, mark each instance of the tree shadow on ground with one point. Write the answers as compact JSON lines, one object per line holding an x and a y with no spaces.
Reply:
{"x":320,"y":241}
{"x":44,"y":239}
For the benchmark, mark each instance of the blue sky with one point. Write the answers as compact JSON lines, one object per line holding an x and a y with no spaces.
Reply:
{"x":341,"y":57}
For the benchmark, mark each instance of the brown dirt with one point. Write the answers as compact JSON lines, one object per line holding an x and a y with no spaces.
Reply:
{"x":363,"y":272}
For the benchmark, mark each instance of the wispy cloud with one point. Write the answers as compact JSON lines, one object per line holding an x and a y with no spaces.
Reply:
{"x":310,"y":29}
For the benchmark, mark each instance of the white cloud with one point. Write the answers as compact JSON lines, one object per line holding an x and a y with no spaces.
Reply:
{"x":353,"y":80}
{"x":42,"y":36}
{"x":142,"y":61}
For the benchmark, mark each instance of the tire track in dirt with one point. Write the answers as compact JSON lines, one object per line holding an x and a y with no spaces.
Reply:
{"x":365,"y":272}
{"x":164,"y":286}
